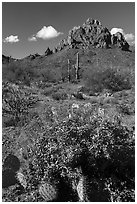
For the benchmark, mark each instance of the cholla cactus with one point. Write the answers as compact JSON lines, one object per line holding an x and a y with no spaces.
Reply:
{"x":81,"y":186}
{"x":21,"y":179}
{"x":48,"y":192}
{"x":80,"y":189}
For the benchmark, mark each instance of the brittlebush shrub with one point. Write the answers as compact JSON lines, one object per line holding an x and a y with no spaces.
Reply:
{"x":103,"y":149}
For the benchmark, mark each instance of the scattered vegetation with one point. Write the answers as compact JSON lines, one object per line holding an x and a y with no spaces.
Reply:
{"x":111,"y":79}
{"x":16,"y":103}
{"x":59,"y":95}
{"x":59,"y":139}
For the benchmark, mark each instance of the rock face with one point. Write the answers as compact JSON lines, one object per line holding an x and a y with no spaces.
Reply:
{"x":92,"y":33}
{"x":119,"y":40}
{"x":7,"y":59}
{"x":11,"y":162}
{"x":48,"y":52}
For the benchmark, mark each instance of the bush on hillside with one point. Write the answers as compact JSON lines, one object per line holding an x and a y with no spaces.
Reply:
{"x":111,"y":79}
{"x":15,"y":72}
{"x":59,"y":95}
{"x":16,"y":103}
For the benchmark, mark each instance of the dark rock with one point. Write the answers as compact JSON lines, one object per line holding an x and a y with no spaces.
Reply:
{"x":11,"y":162}
{"x":118,"y":40}
{"x":48,"y":52}
{"x":8,"y":178}
{"x":7,"y":59}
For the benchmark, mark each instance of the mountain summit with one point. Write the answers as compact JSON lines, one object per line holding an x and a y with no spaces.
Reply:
{"x":92,"y":33}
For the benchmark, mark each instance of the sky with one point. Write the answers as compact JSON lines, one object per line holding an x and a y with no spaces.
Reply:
{"x":31,"y":27}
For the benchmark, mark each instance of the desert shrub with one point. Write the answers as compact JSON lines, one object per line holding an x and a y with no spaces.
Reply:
{"x":104,"y":150}
{"x":78,"y":95}
{"x":16,"y":103}
{"x":125,"y":109}
{"x":94,"y":100}
{"x":98,"y":79}
{"x":50,"y":75}
{"x":15,"y":72}
{"x":59,"y":95}
{"x":50,"y":90}
{"x":110,"y":100}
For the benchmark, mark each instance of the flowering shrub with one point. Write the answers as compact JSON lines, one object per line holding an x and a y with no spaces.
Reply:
{"x":104,"y":151}
{"x":16,"y":102}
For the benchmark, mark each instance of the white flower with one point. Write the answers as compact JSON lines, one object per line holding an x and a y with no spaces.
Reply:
{"x":75,"y":106}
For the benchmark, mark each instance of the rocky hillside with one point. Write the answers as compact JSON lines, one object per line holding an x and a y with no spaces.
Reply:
{"x":92,"y":33}
{"x":96,"y":47}
{"x":7,"y":59}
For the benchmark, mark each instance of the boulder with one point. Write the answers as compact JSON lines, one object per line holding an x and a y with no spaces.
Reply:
{"x":55,"y":50}
{"x":8,"y":178}
{"x":118,"y":40}
{"x":11,"y":162}
{"x":48,"y":52}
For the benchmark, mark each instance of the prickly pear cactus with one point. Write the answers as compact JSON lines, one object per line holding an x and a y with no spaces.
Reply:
{"x":48,"y":192}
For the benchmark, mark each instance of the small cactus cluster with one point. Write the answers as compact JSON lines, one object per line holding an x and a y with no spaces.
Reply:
{"x":48,"y":192}
{"x":21,"y":178}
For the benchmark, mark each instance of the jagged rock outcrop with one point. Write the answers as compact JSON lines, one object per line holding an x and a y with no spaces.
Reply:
{"x":48,"y":52}
{"x":7,"y":59}
{"x":32,"y":57}
{"x":92,"y":33}
{"x":119,"y":40}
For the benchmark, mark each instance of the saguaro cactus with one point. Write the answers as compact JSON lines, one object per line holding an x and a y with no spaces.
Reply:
{"x":77,"y":67}
{"x":68,"y":70}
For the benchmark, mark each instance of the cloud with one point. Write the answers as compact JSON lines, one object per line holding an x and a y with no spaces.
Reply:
{"x":115,"y":30}
{"x":45,"y":33}
{"x":33,"y":38}
{"x":11,"y":39}
{"x":129,"y":37}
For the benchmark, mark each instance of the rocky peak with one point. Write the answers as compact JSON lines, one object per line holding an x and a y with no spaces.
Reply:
{"x":92,"y":33}
{"x":118,"y":39}
{"x":48,"y":52}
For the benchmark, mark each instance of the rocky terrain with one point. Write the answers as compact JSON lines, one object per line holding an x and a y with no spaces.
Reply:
{"x":92,"y":33}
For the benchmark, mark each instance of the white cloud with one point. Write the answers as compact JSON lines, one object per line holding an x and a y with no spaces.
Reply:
{"x":45,"y":33}
{"x":11,"y":39}
{"x":129,"y":37}
{"x":115,"y":30}
{"x":33,"y":38}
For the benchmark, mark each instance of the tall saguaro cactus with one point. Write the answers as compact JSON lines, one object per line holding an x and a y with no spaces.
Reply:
{"x":68,"y":70}
{"x":77,"y":67}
